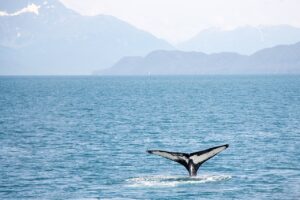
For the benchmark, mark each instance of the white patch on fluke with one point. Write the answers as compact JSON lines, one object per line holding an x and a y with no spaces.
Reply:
{"x":169,"y":155}
{"x":197,"y":159}
{"x":173,"y":181}
{"x":31,"y":8}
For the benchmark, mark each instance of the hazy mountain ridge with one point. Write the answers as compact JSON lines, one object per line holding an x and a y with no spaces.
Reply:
{"x":279,"y":59}
{"x":57,"y":40}
{"x":244,"y":40}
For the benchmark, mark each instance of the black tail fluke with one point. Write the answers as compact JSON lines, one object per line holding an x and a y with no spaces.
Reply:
{"x":191,"y":161}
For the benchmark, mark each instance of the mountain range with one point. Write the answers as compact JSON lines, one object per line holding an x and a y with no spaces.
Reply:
{"x":243,"y":40}
{"x":44,"y":37}
{"x":282,"y":59}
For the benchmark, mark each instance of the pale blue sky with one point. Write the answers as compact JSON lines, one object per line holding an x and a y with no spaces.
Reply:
{"x":177,"y":20}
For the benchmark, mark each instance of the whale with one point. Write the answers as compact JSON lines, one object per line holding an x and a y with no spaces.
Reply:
{"x":191,"y":161}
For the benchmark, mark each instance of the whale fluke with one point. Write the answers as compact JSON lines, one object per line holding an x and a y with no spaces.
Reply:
{"x":191,"y":161}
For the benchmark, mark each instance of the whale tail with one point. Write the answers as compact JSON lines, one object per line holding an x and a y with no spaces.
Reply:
{"x":191,"y":161}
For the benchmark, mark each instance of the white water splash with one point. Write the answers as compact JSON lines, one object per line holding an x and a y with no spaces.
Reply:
{"x":172,"y":181}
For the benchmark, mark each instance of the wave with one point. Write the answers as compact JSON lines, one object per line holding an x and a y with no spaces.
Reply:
{"x":172,"y":181}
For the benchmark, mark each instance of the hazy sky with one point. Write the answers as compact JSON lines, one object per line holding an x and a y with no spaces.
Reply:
{"x":177,"y":20}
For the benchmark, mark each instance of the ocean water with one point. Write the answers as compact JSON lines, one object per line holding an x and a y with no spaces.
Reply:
{"x":86,"y":137}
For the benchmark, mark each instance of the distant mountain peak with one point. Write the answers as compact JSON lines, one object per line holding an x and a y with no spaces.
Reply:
{"x":244,"y":40}
{"x":30,"y":8}
{"x":45,"y":37}
{"x":13,"y":6}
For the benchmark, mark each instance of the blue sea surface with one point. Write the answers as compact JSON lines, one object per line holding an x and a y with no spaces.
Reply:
{"x":86,"y":137}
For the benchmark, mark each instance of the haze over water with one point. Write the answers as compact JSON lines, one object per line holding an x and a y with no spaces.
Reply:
{"x":86,"y":137}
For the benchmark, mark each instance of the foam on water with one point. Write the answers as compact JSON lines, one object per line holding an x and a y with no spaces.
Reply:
{"x":173,"y":181}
